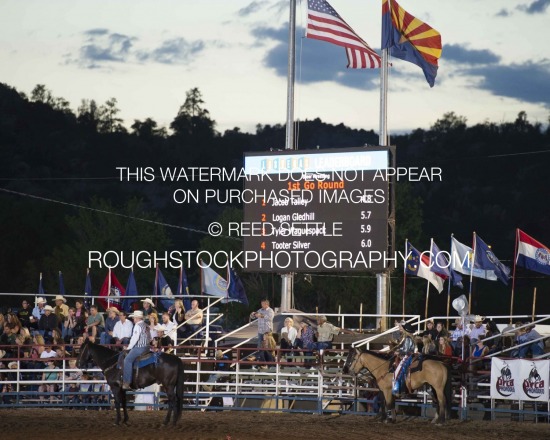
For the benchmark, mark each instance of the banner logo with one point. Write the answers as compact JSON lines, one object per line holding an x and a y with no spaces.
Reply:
{"x":505,"y":383}
{"x":533,"y":385}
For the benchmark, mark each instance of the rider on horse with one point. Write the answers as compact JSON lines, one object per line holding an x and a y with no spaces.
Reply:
{"x":139,"y":344}
{"x":405,"y":350}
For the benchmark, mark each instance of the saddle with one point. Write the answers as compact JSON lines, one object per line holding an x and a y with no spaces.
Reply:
{"x":151,"y":357}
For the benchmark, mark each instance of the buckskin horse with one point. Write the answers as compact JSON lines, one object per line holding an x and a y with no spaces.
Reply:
{"x":433,"y":373}
{"x":167,"y":371}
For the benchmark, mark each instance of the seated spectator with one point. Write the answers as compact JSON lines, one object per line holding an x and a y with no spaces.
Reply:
{"x":80,"y":317}
{"x":68,"y":326}
{"x":325,"y":333}
{"x":57,"y":339}
{"x":37,"y":312}
{"x":106,"y":336}
{"x":267,"y":351}
{"x":430,"y":331}
{"x":305,"y":338}
{"x":480,"y":349}
{"x":12,"y":319}
{"x":494,"y":344}
{"x":38,"y":347}
{"x":428,"y":346}
{"x":288,"y":334}
{"x":48,"y":322}
{"x":50,"y":374}
{"x":168,"y":336}
{"x":536,"y":348}
{"x":48,"y":352}
{"x":72,"y":377}
{"x":61,"y":309}
{"x":478,"y":329}
{"x":444,"y":346}
{"x":222,"y":364}
{"x":457,"y":336}
{"x":194,"y":319}
{"x":123,"y":329}
{"x":440,"y":331}
{"x":94,"y":324}
{"x":179,"y":318}
{"x":148,"y":308}
{"x":153,"y":322}
{"x":24,"y":314}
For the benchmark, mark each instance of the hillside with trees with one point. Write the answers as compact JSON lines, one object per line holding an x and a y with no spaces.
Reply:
{"x":59,"y":167}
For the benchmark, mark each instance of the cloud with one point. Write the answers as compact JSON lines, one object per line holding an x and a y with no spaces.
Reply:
{"x":536,"y":7}
{"x":319,"y":61}
{"x":528,"y":82}
{"x":102,"y":48}
{"x":250,"y":9}
{"x":462,"y":55}
{"x":174,"y":51}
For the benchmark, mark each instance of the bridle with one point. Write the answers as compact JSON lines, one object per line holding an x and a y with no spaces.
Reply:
{"x":357,"y":358}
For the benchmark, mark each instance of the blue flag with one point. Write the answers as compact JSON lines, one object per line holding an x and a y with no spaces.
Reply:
{"x":235,"y":289}
{"x":183,"y":289}
{"x":485,"y":259}
{"x":163,"y":289}
{"x":131,"y":289}
{"x":456,"y":278}
{"x":439,"y":263}
{"x":40,"y":286}
{"x":87,"y":291}
{"x":61,"y":284}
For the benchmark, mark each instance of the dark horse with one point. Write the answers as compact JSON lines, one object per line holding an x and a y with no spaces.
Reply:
{"x":433,"y":373}
{"x":168,"y":372}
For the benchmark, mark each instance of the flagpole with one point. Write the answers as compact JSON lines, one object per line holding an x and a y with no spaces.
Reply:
{"x":449,"y":285}
{"x":405,"y":276}
{"x":534,"y":303}
{"x":427,"y":299}
{"x":514,"y":277}
{"x":287,"y":279}
{"x":155,"y":292}
{"x":109,"y":290}
{"x":472,"y":274}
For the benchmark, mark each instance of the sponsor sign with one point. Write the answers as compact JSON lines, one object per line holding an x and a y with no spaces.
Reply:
{"x":520,"y":379}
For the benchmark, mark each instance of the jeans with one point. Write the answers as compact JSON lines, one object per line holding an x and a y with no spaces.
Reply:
{"x":105,"y":338}
{"x":129,"y":362}
{"x":535,"y":347}
{"x":321,"y":345}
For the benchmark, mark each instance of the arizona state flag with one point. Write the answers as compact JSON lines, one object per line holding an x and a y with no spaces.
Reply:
{"x":111,"y":291}
{"x":410,"y":39}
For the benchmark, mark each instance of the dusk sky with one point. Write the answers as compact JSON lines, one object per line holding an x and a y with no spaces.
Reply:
{"x":147,"y":54}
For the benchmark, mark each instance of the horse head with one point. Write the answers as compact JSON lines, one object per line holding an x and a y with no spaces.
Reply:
{"x":353,"y":364}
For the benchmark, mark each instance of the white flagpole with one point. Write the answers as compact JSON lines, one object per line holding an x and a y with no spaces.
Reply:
{"x":472,"y":275}
{"x":287,"y":279}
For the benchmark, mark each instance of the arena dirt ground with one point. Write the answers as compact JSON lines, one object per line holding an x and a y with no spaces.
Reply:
{"x":98,"y":425}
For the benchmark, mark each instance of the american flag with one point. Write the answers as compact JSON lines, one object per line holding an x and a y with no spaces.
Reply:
{"x":324,"y":23}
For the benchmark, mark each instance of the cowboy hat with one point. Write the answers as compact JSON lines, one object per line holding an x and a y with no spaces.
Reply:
{"x":407,"y":326}
{"x":48,"y":308}
{"x":479,"y":318}
{"x":322,"y":318}
{"x":136,"y":314}
{"x":60,"y":298}
{"x":41,"y":300}
{"x":148,"y":300}
{"x":112,"y":309}
{"x":2,"y":353}
{"x":160,"y":327}
{"x":12,"y":365}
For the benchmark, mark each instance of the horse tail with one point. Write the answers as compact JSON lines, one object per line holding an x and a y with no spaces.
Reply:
{"x":179,"y":386}
{"x":448,"y":392}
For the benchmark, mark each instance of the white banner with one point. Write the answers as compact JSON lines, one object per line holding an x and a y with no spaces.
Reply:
{"x":520,"y":379}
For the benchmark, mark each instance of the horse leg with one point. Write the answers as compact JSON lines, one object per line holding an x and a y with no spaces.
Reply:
{"x":436,"y":404}
{"x":390,"y":406}
{"x":117,"y":393}
{"x":171,"y":395}
{"x":442,"y":405}
{"x":124,"y":408}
